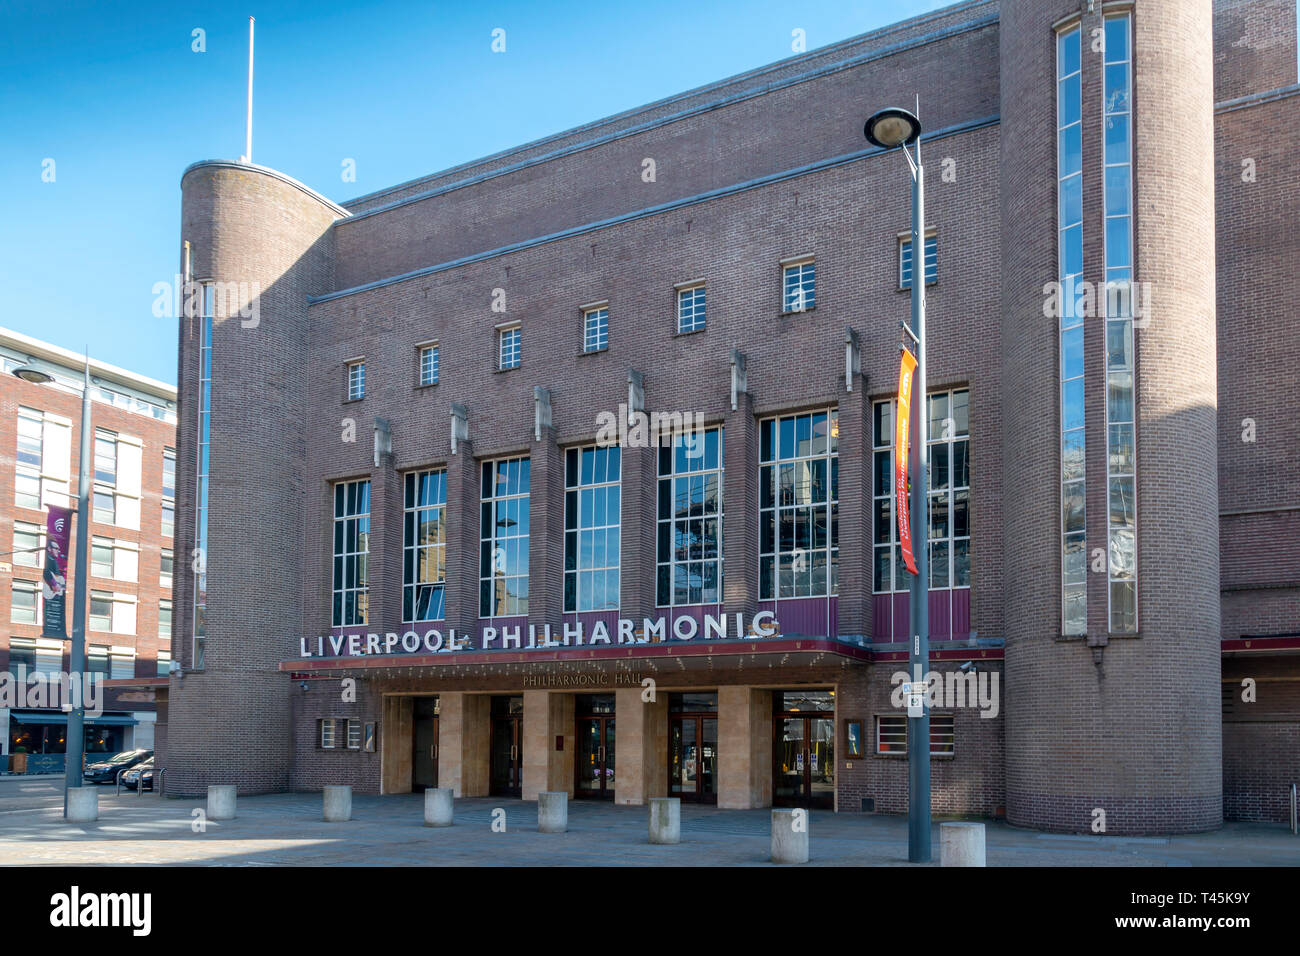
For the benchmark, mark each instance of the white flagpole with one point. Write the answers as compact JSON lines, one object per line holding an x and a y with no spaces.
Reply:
{"x":248,"y":129}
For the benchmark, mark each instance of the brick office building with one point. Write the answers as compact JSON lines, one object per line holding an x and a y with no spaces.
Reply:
{"x":426,"y":562}
{"x":128,"y":637}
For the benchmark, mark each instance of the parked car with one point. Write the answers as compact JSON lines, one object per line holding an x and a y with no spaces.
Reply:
{"x":141,"y":775}
{"x":105,"y":771}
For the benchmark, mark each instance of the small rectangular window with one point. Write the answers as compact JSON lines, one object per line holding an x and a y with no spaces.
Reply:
{"x":101,"y":557}
{"x":101,"y":611}
{"x":943,"y":734}
{"x":891,"y":734}
{"x":97,"y":659}
{"x":164,"y":662}
{"x":29,"y":543}
{"x":327,"y":738}
{"x":24,"y":606}
{"x":165,"y":568}
{"x":595,"y":329}
{"x":104,"y":506}
{"x":509,"y":348}
{"x":428,"y":365}
{"x":356,"y":380}
{"x":798,"y":287}
{"x":165,"y":620}
{"x":354,"y":734}
{"x":931,"y":260}
{"x":690,"y":309}
{"x":22,"y":656}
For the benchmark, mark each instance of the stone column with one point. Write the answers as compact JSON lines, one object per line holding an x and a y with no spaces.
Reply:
{"x":740,"y":505}
{"x":464,"y":740}
{"x":641,"y":747}
{"x":547,"y":715}
{"x":546,"y":533}
{"x":744,"y":748}
{"x":462,"y":541}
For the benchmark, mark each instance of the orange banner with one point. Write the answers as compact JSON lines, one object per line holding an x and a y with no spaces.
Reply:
{"x":902,"y":434}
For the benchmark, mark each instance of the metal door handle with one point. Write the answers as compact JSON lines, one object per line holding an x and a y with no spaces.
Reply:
{"x":433,"y":751}
{"x":513,"y":751}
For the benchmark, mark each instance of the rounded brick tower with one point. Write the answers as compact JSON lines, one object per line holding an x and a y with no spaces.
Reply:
{"x":1113,"y":721}
{"x":263,"y":242}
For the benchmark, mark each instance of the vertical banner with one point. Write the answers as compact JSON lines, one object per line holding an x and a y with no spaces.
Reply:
{"x":54,"y":577}
{"x":902,"y":434}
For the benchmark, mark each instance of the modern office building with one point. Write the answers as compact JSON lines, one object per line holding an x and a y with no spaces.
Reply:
{"x":133,"y":516}
{"x":444,"y":540}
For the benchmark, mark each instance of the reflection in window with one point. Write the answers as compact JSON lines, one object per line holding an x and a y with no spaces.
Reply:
{"x":1069,"y":166}
{"x":1121,"y":470}
{"x":424,"y":538}
{"x":799,"y":505}
{"x":503,"y":547}
{"x":351,"y":552}
{"x":689,"y":529}
{"x":592,"y":510}
{"x":949,"y":504}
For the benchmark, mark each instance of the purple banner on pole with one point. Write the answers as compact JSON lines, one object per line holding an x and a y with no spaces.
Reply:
{"x":54,"y":579}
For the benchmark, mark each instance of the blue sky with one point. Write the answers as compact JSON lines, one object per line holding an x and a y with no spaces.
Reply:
{"x":112,"y":92}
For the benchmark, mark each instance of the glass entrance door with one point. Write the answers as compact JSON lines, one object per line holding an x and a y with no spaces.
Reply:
{"x":507,"y":746}
{"x":593,"y":763}
{"x":803,"y":750}
{"x":693,"y":758}
{"x":424,"y":743}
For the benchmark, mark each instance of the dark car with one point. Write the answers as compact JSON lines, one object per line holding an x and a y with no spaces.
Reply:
{"x":106,"y":771}
{"x":141,"y":775}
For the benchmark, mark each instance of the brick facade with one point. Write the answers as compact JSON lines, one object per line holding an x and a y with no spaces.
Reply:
{"x":744,"y":181}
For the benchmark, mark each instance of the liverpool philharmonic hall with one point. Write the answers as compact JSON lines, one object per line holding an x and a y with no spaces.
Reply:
{"x":570,"y":468}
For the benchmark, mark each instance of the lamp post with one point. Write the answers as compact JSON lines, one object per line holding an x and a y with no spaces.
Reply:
{"x":75,"y":746}
{"x":888,"y":129}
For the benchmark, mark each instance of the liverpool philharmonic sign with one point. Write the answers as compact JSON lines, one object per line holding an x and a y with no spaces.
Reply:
{"x":715,"y":627}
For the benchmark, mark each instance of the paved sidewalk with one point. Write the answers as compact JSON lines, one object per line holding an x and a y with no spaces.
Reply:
{"x":287,"y":830}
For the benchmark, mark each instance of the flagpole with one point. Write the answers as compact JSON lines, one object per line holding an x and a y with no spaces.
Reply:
{"x":248,"y":127}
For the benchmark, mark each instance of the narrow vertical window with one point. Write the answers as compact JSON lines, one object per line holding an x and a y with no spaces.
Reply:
{"x":1069,"y":167}
{"x":169,"y":492}
{"x":356,"y":380}
{"x":592,"y":523}
{"x":799,"y":286}
{"x":351,"y":552}
{"x":509,"y":347}
{"x":799,"y":505}
{"x":503,"y":558}
{"x":199,"y":558}
{"x":931,"y":259}
{"x":690,"y":511}
{"x":424,"y":539}
{"x":690,"y":309}
{"x":1121,"y":414}
{"x":595,"y":329}
{"x":428,"y":365}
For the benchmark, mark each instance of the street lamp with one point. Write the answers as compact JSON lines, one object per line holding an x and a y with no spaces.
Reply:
{"x":888,"y":129}
{"x":75,"y":747}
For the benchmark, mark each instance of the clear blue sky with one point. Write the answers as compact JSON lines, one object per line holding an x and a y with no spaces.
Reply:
{"x":112,"y":92}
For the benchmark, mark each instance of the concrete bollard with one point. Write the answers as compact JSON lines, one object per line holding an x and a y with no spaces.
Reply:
{"x":338,"y":804}
{"x":438,"y":805}
{"x":552,"y":812}
{"x":83,"y":804}
{"x":221,"y":801}
{"x":961,"y":844}
{"x":665,"y":820}
{"x":789,"y":836}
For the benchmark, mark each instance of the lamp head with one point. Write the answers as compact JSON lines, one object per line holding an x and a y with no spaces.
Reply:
{"x":30,"y":373}
{"x":892,"y":127}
